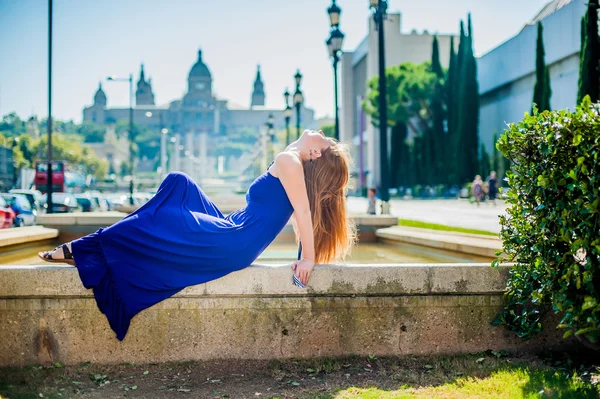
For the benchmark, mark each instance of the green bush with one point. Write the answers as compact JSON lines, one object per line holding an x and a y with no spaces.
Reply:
{"x":551,"y":231}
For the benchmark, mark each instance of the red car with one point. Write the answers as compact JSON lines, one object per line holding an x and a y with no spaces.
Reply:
{"x":7,"y":215}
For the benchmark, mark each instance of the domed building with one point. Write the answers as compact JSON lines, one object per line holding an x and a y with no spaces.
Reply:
{"x":199,"y":119}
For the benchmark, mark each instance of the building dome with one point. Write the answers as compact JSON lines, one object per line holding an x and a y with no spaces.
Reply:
{"x":100,"y":97}
{"x":199,"y":69}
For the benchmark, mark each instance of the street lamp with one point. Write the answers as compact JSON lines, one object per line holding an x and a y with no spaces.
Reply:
{"x":163,"y":149}
{"x":49,"y":121}
{"x":334,"y":45}
{"x":379,"y":14}
{"x":298,"y":100}
{"x":334,"y":14}
{"x":271,"y":133}
{"x":287,"y":114}
{"x":130,"y":138}
{"x":163,"y":143}
{"x":175,"y":163}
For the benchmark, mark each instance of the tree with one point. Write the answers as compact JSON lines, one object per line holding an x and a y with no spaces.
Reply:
{"x":11,"y":125}
{"x":409,"y":93}
{"x":124,"y":169}
{"x":468,"y":109}
{"x":328,"y":130}
{"x":91,"y":132}
{"x":451,"y":97}
{"x":589,"y":55}
{"x":437,"y":134}
{"x":541,"y":89}
{"x":484,"y":162}
{"x":496,"y":157}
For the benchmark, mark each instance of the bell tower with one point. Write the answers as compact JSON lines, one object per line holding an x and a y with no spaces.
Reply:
{"x":258,"y":94}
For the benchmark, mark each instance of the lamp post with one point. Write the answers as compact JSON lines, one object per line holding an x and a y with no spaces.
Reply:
{"x":287,"y":114}
{"x":175,"y":163}
{"x":298,"y":100}
{"x":163,"y":144}
{"x":163,"y":150}
{"x":379,"y":14}
{"x":130,"y":138}
{"x":334,"y":45}
{"x":49,"y":122}
{"x":271,"y":133}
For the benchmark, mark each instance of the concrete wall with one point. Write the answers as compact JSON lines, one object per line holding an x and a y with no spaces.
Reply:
{"x":257,"y":313}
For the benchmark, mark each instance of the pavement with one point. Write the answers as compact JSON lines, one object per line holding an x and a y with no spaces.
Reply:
{"x":457,"y":213}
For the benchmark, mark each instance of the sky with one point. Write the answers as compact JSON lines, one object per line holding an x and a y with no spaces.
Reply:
{"x":93,"y":39}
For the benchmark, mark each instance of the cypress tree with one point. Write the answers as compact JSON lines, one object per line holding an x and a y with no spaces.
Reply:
{"x":547,"y":90}
{"x":468,"y":115}
{"x":450,"y":161}
{"x":437,"y":117}
{"x":460,"y":109}
{"x":496,"y":161}
{"x":541,"y":89}
{"x":484,"y":164}
{"x":589,"y":55}
{"x":473,"y":112}
{"x":398,"y":155}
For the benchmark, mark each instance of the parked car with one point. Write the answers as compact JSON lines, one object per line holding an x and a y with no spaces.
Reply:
{"x":33,"y":196}
{"x":102,"y":204}
{"x":24,"y":214}
{"x":120,"y":202}
{"x":7,"y":215}
{"x":86,"y":202}
{"x":63,"y":203}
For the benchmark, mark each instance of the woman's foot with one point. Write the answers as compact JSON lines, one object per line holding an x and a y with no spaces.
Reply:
{"x":60,"y":254}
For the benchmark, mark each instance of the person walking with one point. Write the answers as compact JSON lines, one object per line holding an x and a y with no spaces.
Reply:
{"x":477,"y":189}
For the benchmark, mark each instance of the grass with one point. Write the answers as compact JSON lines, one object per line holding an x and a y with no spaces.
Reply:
{"x":490,"y":374}
{"x":442,"y":227}
{"x":516,"y":383}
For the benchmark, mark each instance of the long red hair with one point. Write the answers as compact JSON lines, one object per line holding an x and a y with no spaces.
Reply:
{"x":327,"y":180}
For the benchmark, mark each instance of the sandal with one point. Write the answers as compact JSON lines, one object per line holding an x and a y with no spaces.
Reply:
{"x":68,"y":256}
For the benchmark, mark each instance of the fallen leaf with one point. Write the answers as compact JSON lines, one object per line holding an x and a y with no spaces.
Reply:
{"x":480,"y":360}
{"x":183,"y":390}
{"x":146,"y":372}
{"x":428,"y":366}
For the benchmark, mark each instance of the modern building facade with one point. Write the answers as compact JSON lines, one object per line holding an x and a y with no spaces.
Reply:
{"x":357,"y":67}
{"x":199,"y":119}
{"x":507,"y":73}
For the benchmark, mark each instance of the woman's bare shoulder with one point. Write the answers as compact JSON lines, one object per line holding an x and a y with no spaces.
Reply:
{"x":285,"y":161}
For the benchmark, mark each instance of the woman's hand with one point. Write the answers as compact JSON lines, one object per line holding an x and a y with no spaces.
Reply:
{"x":303,"y":268}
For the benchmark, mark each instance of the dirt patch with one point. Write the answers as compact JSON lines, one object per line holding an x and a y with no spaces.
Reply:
{"x":314,"y":379}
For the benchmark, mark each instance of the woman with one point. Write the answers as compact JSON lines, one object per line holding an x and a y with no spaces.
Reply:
{"x":180,"y":238}
{"x":477,"y":189}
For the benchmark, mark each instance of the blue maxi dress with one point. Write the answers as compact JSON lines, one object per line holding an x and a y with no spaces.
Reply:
{"x":177,"y":239}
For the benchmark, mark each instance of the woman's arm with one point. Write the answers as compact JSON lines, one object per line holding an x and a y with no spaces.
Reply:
{"x":291,"y":175}
{"x":294,"y":224}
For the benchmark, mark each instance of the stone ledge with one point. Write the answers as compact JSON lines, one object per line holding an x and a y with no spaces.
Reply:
{"x":267,"y":280}
{"x":256,"y":313}
{"x":81,"y":218}
{"x":452,"y":242}
{"x":26,"y":235}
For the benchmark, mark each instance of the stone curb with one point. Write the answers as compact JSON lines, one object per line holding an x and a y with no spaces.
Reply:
{"x":451,"y":242}
{"x":26,"y":235}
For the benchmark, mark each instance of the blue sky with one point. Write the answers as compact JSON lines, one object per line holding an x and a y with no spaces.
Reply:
{"x":94,"y":39}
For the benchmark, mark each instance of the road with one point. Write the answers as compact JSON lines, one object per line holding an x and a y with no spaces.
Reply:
{"x":458,"y":213}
